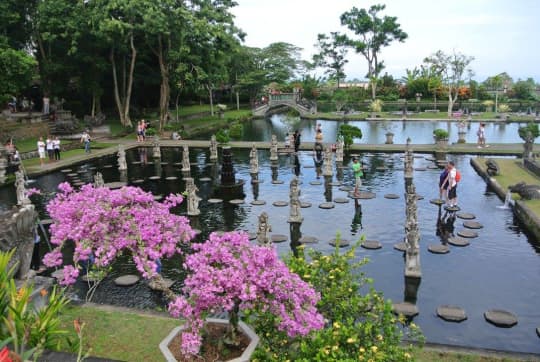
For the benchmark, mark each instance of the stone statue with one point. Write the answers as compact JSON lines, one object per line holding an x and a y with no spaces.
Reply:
{"x":328,"y":170}
{"x":3,"y":164}
{"x":122,"y":164}
{"x":412,"y":235}
{"x":253,"y":160}
{"x":156,"y":148}
{"x":408,"y":160}
{"x":22,"y":198}
{"x":339,"y":151}
{"x":192,"y":197}
{"x":98,"y":180}
{"x":185,"y":159}
{"x":213,"y":148}
{"x":263,"y":230}
{"x":294,"y":201}
{"x":274,"y":148}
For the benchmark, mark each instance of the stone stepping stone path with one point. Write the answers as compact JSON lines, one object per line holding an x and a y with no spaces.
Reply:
{"x":346,"y":188}
{"x":438,"y":249}
{"x":501,"y":318}
{"x":193,"y":163}
{"x":400,"y":246}
{"x":236,"y":201}
{"x":115,"y":185}
{"x":308,"y":240}
{"x":467,"y":233}
{"x":80,"y":183}
{"x":363,"y":195}
{"x":452,"y":208}
{"x":154,"y":177}
{"x":258,"y":202}
{"x":305,"y":204}
{"x":409,"y":310}
{"x":164,"y":163}
{"x":137,"y":181}
{"x":126,"y":280}
{"x":177,"y":163}
{"x":433,"y":167}
{"x":205,"y":179}
{"x":171,"y":178}
{"x":215,"y":201}
{"x":457,"y":241}
{"x":418,"y":156}
{"x":73,"y":174}
{"x":66,"y":170}
{"x":81,"y":171}
{"x":472,"y":224}
{"x":327,"y":205}
{"x":278,"y":238}
{"x":341,"y":200}
{"x":58,"y":274}
{"x":371,"y":245}
{"x":420,"y":169}
{"x":315,"y":183}
{"x":342,"y":243}
{"x":391,"y":196}
{"x":277,"y":182}
{"x":436,"y":202}
{"x":280,"y":203}
{"x":451,"y":313}
{"x":158,"y":197}
{"x":335,"y":183}
{"x":92,"y":168}
{"x":465,"y":216}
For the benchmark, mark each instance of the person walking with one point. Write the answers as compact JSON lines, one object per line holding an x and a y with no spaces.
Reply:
{"x":56,"y":145}
{"x":297,"y":140}
{"x":85,"y":138}
{"x":452,"y":184}
{"x":41,"y":151}
{"x":319,"y":136}
{"x":357,"y":170}
{"x":481,"y":133}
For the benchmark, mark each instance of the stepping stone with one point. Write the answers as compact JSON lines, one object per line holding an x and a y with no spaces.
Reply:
{"x":126,"y":280}
{"x":78,"y":183}
{"x":177,"y":163}
{"x":467,"y":233}
{"x":501,"y":318}
{"x":66,"y":170}
{"x":380,"y":168}
{"x":451,"y":313}
{"x":407,"y":309}
{"x":305,"y":204}
{"x":472,"y":225}
{"x":73,"y":174}
{"x":258,"y":202}
{"x":465,"y":216}
{"x":114,"y":185}
{"x":278,"y":238}
{"x":315,"y":183}
{"x":158,"y":197}
{"x":309,"y":166}
{"x":438,"y":249}
{"x":214,"y":201}
{"x":342,"y":243}
{"x":164,"y":163}
{"x":154,"y":177}
{"x":419,"y":197}
{"x":335,"y":183}
{"x":137,"y":181}
{"x":277,"y":182}
{"x":106,"y":166}
{"x":150,"y":163}
{"x":205,"y":179}
{"x":346,"y":188}
{"x":456,"y":241}
{"x":363,"y":195}
{"x":58,"y":274}
{"x":452,"y":208}
{"x":280,"y":203}
{"x":402,"y":246}
{"x":420,"y":169}
{"x":308,"y":240}
{"x":236,"y":201}
{"x":341,"y":200}
{"x":418,"y":156}
{"x":171,"y":178}
{"x":327,"y":205}
{"x":436,"y":202}
{"x":391,"y":196}
{"x":136,"y":163}
{"x":433,"y":167}
{"x":83,"y":171}
{"x":371,"y":244}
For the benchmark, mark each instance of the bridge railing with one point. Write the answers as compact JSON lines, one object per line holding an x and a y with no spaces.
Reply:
{"x":283,"y":97}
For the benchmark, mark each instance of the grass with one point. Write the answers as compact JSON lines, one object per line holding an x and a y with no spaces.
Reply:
{"x":67,"y":154}
{"x":428,"y":355}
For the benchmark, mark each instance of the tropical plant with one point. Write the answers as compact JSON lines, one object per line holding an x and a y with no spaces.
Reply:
{"x":440,"y":134}
{"x":376,"y":105}
{"x":488,"y":104}
{"x":235,"y":130}
{"x":529,"y":132}
{"x":348,"y":133}
{"x":504,"y":108}
{"x":222,"y":136}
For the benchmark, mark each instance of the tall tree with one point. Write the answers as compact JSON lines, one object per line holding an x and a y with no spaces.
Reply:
{"x":374,"y":34}
{"x":332,"y":52}
{"x":451,"y":68}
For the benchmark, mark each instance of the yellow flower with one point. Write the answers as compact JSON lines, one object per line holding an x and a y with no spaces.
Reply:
{"x":335,"y":348}
{"x":407,"y":355}
{"x":336,"y":325}
{"x":379,"y":337}
{"x":330,"y":277}
{"x":412,"y":325}
{"x":351,"y":340}
{"x":362,"y":350}
{"x":307,"y":276}
{"x":374,"y":348}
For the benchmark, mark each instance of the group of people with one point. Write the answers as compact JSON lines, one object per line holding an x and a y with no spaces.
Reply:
{"x":448,"y":181}
{"x":50,"y":148}
{"x":142,"y":125}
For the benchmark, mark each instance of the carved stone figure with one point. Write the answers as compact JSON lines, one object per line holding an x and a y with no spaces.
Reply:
{"x":328,"y":170}
{"x":527,"y":192}
{"x":253,"y":160}
{"x":412,"y":235}
{"x":192,"y":197}
{"x":408,"y":160}
{"x":98,"y":180}
{"x":185,"y":159}
{"x":294,"y":202}
{"x":263,"y":230}
{"x":213,"y":148}
{"x":22,"y":198}
{"x":339,"y":151}
{"x":156,"y":148}
{"x":122,"y":164}
{"x":3,"y":164}
{"x":274,"y":148}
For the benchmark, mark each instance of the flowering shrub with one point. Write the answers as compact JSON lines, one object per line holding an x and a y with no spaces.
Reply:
{"x":230,"y":273}
{"x":104,"y":223}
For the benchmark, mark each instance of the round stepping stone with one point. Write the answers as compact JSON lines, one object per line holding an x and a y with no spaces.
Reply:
{"x":277,"y":182}
{"x":73,"y":174}
{"x":106,"y":166}
{"x":83,"y":171}
{"x":341,"y":200}
{"x":315,"y":183}
{"x":205,"y":179}
{"x":501,"y":318}
{"x":327,"y":205}
{"x":78,"y":183}
{"x":451,"y":313}
{"x":258,"y":202}
{"x":214,"y":201}
{"x":391,"y":196}
{"x":171,"y":178}
{"x":467,"y":234}
{"x":305,"y":204}
{"x":402,"y":246}
{"x":419,"y":197}
{"x":346,"y":188}
{"x":137,"y":181}
{"x":452,"y":208}
{"x":58,"y":274}
{"x":115,"y":185}
{"x":465,"y":216}
{"x":335,"y":183}
{"x":407,"y":309}
{"x":280,"y":203}
{"x":472,"y":224}
{"x":178,"y":164}
{"x":136,"y":163}
{"x":436,"y":202}
{"x":278,"y":238}
{"x":149,"y":163}
{"x":363,"y":195}
{"x":433,"y":167}
{"x":456,"y":241}
{"x":164,"y":163}
{"x":342,"y":243}
{"x":154,"y":177}
{"x":66,"y":170}
{"x":92,"y":168}
{"x":420,"y":169}
{"x":309,"y":166}
{"x":126,"y":280}
{"x":438,"y":249}
{"x":236,"y":201}
{"x":158,"y":197}
{"x":380,"y":168}
{"x":193,"y":163}
{"x":308,"y":240}
{"x":418,"y":156}
{"x":371,"y":244}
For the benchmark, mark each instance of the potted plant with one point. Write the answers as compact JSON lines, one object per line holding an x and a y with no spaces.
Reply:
{"x":221,"y":108}
{"x":348,"y":133}
{"x":441,"y":137}
{"x":387,"y":126}
{"x":222,"y":136}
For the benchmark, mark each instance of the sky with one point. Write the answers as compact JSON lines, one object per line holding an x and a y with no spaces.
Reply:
{"x":502,"y":35}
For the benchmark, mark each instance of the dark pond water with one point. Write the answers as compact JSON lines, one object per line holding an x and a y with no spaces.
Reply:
{"x":500,"y":269}
{"x":420,"y":132}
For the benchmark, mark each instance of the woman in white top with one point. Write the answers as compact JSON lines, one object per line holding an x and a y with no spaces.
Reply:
{"x":50,"y":148}
{"x":41,"y":150}
{"x":56,"y":145}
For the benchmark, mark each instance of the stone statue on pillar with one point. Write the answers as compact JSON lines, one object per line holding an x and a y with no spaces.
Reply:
{"x":186,"y":166}
{"x":412,"y":235}
{"x":213,"y":149}
{"x":98,"y":180}
{"x":253,"y":160}
{"x":263,"y":230}
{"x":122,"y":164}
{"x":3,"y":164}
{"x":294,"y":201}
{"x":192,"y":197}
{"x":156,"y":148}
{"x":22,"y":197}
{"x":408,"y":160}
{"x":328,"y":170}
{"x":274,"y":148}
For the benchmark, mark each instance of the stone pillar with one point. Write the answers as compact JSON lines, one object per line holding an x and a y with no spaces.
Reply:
{"x":412,"y":235}
{"x":156,"y":148}
{"x":408,"y":161}
{"x":22,"y":197}
{"x":328,"y":170}
{"x":122,"y":164}
{"x":339,"y":151}
{"x":186,"y":166}
{"x":3,"y":164}
{"x":274,"y":148}
{"x":192,"y":197}
{"x":213,"y":149}
{"x":461,"y":137}
{"x":253,"y":160}
{"x":295,"y":215}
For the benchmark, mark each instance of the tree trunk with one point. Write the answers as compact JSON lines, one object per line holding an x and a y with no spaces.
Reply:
{"x":211,"y":100}
{"x":130,"y":81}
{"x":165,"y":91}
{"x":373,"y":89}
{"x":43,"y":66}
{"x":117,"y":99}
{"x":93,"y":110}
{"x":237,"y":101}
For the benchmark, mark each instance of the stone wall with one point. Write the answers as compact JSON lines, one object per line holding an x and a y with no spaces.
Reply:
{"x":532,"y":166}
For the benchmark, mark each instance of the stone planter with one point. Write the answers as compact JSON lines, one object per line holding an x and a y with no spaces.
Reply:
{"x":245,"y":357}
{"x":389,"y":138}
{"x":441,"y":143}
{"x":461,"y":137}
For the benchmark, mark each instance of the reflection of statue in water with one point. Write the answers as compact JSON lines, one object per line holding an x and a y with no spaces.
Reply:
{"x":22,"y":198}
{"x":143,"y":157}
{"x":294,"y":200}
{"x":328,"y":171}
{"x":98,"y":180}
{"x":122,"y":164}
{"x":156,"y":148}
{"x":263,"y":230}
{"x":357,"y":218}
{"x":193,"y":198}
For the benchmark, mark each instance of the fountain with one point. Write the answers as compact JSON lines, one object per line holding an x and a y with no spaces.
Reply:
{"x":508,"y":202}
{"x":229,"y":188}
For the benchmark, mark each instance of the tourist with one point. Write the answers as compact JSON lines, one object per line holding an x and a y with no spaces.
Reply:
{"x":452,"y":184}
{"x":85,"y":138}
{"x":145,"y":126}
{"x":481,"y":133}
{"x":46,"y":104}
{"x":443,"y":184}
{"x":50,"y":148}
{"x":297,"y":139}
{"x":56,"y":145}
{"x":41,"y":150}
{"x":319,"y":136}
{"x":140,"y":131}
{"x":357,"y":170}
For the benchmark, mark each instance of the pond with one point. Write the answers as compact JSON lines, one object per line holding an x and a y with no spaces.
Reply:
{"x":420,"y":132}
{"x":500,"y":269}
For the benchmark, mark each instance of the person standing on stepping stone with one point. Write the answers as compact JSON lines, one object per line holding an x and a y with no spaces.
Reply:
{"x":452,"y":184}
{"x":443,"y":184}
{"x":296,"y":137}
{"x":357,"y":170}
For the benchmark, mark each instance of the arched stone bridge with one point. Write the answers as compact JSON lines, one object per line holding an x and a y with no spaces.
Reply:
{"x":291,"y":100}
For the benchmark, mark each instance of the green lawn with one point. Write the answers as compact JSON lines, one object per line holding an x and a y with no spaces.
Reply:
{"x":76,"y":152}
